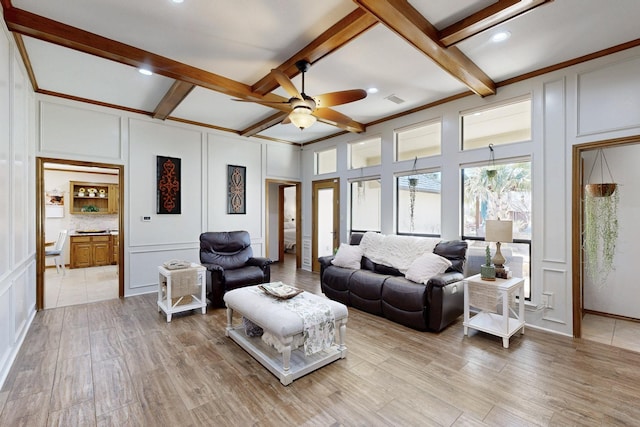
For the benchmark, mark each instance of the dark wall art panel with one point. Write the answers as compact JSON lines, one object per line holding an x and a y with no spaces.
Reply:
{"x":168,"y":185}
{"x":236,"y":189}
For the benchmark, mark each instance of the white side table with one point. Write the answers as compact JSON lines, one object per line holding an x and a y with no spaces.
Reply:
{"x":170,"y":304}
{"x":486,"y":296}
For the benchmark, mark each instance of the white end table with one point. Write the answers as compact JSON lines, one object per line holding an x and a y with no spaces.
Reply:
{"x":488,"y":320}
{"x":170,"y":304}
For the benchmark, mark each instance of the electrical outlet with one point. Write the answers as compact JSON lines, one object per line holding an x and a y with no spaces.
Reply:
{"x":547,"y":299}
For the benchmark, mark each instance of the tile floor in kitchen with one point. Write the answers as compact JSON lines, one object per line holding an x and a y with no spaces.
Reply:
{"x":80,"y":285}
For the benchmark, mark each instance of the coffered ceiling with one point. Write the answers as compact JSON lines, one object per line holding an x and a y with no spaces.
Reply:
{"x":205,"y":53}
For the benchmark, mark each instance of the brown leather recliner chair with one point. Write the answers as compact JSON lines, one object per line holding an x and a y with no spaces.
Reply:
{"x":230,"y":263}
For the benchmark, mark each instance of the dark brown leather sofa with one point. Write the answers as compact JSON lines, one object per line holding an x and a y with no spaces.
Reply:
{"x":230,"y":263}
{"x":384,"y":291}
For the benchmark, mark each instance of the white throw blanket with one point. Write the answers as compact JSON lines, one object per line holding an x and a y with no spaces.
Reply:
{"x":396,"y":251}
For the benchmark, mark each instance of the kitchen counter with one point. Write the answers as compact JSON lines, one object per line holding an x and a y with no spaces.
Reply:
{"x":94,"y":233}
{"x":94,"y":248}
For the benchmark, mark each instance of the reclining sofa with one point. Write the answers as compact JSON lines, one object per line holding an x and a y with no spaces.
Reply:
{"x":384,"y":291}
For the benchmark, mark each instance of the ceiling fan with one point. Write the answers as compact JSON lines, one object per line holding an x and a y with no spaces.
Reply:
{"x":305,"y":109}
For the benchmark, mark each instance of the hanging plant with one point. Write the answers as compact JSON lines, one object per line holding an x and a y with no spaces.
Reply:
{"x":491,"y":170}
{"x":413,"y":183}
{"x":600,"y":225}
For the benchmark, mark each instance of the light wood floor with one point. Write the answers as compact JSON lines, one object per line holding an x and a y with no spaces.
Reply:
{"x":118,"y":363}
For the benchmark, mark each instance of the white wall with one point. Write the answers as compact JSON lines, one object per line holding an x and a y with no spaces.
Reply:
{"x":17,"y":203}
{"x":594,"y":101}
{"x":135,"y":141}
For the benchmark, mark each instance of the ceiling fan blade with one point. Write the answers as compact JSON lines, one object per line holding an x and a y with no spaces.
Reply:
{"x":339,"y":98}
{"x":286,"y":83}
{"x":332,"y":116}
{"x":286,"y":120}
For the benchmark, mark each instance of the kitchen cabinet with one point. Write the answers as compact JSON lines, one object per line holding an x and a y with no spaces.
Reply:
{"x":91,"y":250}
{"x":91,"y":198}
{"x":115,"y":244}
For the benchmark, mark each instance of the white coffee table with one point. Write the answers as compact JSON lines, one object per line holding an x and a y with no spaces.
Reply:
{"x":284,"y":325}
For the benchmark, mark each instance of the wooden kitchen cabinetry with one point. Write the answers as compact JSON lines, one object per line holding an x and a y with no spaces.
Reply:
{"x":115,"y":244}
{"x":105,"y":198}
{"x":91,"y":251}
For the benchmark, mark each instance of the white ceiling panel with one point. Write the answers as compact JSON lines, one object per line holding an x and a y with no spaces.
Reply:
{"x":239,"y":39}
{"x":554,"y":33}
{"x":206,"y":106}
{"x":70,"y":72}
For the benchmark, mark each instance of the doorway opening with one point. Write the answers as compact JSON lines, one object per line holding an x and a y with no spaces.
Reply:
{"x":84,"y":201}
{"x":326,"y":219}
{"x":283,"y":221}
{"x":603,"y":310}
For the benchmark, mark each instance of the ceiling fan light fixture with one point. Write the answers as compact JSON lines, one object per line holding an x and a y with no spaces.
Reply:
{"x":302,"y":118}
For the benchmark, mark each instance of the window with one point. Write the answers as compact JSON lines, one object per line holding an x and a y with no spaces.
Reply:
{"x":365,"y":205}
{"x":326,"y":161}
{"x":497,"y":125}
{"x":418,"y":141}
{"x":505,"y":195}
{"x":364,"y":153}
{"x":418,"y":204}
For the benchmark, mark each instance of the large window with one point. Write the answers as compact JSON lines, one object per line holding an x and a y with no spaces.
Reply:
{"x":365,"y":205}
{"x":497,"y":125}
{"x":418,"y":208}
{"x":365,"y":153}
{"x":502,"y":192}
{"x":326,"y":161}
{"x":418,"y":141}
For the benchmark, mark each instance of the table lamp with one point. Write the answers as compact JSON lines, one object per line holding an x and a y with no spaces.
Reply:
{"x":499,"y":232}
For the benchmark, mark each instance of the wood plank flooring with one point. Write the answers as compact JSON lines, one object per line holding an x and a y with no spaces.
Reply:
{"x":118,"y":363}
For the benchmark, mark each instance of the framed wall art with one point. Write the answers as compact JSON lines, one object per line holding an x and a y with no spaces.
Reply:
{"x":236,"y":189}
{"x":168,"y":185}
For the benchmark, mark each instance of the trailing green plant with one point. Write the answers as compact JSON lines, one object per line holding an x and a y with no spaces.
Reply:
{"x":600,"y":235}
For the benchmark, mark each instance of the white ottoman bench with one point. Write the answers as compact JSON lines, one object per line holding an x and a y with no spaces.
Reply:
{"x":286,"y":327}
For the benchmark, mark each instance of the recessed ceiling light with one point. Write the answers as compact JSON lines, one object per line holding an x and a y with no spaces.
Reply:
{"x":177,"y":1}
{"x":500,"y":37}
{"x":372,"y":90}
{"x":145,"y":71}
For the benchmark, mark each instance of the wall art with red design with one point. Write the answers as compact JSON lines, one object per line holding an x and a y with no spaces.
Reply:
{"x":168,"y":185}
{"x":236,"y":190}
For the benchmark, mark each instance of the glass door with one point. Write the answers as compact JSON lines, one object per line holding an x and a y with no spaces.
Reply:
{"x":326,"y":232}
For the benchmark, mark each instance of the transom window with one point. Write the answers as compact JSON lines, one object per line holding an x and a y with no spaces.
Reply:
{"x":418,"y":141}
{"x":503,"y":124}
{"x":365,"y":153}
{"x":326,"y":161}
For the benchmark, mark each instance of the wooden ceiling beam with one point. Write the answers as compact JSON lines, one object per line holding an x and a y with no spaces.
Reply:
{"x":174,"y":96}
{"x":403,"y":19}
{"x":264,"y":124}
{"x":344,"y":31}
{"x":39,"y":27}
{"x":46,"y":29}
{"x":495,"y":14}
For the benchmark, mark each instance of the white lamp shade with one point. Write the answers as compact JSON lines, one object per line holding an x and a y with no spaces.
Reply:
{"x":499,"y":231}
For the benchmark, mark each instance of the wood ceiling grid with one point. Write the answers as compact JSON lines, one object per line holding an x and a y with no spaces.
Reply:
{"x":398,"y":15}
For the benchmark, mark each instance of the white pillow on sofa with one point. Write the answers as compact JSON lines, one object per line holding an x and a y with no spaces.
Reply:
{"x":426,"y":266}
{"x":348,"y":256}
